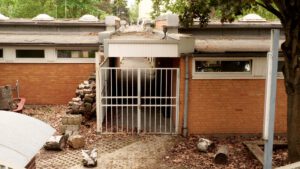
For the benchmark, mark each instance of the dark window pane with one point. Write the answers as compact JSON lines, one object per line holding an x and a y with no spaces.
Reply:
{"x":30,"y":53}
{"x":1,"y":53}
{"x":76,"y":53}
{"x":280,"y":65}
{"x":223,"y":66}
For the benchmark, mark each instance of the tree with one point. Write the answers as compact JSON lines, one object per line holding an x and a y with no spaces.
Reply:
{"x":55,"y":8}
{"x":120,"y":9}
{"x":134,"y":13}
{"x":287,"y":11}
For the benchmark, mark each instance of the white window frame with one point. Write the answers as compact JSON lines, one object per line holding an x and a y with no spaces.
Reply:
{"x":222,"y":75}
{"x":9,"y":55}
{"x":280,"y":74}
{"x":74,"y":60}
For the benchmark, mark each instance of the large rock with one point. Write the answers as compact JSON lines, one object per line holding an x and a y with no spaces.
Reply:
{"x":74,"y":119}
{"x":76,"y":141}
{"x":63,"y":128}
{"x":56,"y":142}
{"x":203,"y":144}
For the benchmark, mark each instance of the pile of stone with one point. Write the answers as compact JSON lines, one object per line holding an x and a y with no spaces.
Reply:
{"x":85,"y":101}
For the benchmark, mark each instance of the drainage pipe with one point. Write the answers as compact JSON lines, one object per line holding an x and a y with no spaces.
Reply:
{"x":186,"y":97}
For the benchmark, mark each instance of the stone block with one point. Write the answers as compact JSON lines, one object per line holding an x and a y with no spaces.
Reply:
{"x":74,"y":119}
{"x":56,"y":142}
{"x":63,"y":128}
{"x":76,"y":141}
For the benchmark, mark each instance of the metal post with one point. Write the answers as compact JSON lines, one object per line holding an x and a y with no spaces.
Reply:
{"x":270,"y":99}
{"x":139,"y":101}
{"x":177,"y":99}
{"x":98,"y":93}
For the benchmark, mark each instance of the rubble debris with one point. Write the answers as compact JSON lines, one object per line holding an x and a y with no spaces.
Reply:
{"x":221,"y":157}
{"x":204,"y":144}
{"x":89,"y":158}
{"x":76,"y":141}
{"x":85,"y":99}
{"x":56,"y":143}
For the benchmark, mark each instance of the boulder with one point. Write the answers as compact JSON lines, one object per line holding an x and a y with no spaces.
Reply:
{"x":204,"y":144}
{"x":76,"y":141}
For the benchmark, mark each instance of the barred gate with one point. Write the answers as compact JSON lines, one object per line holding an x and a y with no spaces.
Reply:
{"x":135,"y":100}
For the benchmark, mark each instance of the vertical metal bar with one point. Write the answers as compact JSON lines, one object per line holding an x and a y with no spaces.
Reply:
{"x":150,"y":94}
{"x":145,"y":100}
{"x":177,"y":99}
{"x":122,"y":99}
{"x":270,"y":99}
{"x":106,"y":100}
{"x":160,"y":90}
{"x":111,"y":100}
{"x":117,"y":101}
{"x":171,"y":100}
{"x":98,"y":94}
{"x":132,"y":93}
{"x":139,"y":100}
{"x":166,"y":100}
{"x":155,"y":84}
{"x":127,"y":100}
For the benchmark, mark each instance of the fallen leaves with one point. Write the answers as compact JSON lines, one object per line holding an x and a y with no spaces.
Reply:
{"x":184,"y":154}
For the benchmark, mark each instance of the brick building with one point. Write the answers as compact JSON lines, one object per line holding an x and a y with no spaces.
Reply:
{"x":50,"y":58}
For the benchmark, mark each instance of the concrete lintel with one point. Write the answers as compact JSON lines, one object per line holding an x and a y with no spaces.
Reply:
{"x":121,"y":41}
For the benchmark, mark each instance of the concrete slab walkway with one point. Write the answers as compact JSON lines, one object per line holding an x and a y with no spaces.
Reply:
{"x":143,"y":154}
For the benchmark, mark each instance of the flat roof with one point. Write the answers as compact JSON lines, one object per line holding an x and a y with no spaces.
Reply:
{"x":56,"y":22}
{"x":85,"y":39}
{"x":238,"y":25}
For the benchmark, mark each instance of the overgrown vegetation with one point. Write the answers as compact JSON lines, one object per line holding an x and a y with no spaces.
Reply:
{"x":55,"y":8}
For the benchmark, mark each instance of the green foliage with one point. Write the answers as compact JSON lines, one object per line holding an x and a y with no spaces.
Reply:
{"x":134,"y":13}
{"x":55,"y":8}
{"x":201,"y":10}
{"x":120,"y":9}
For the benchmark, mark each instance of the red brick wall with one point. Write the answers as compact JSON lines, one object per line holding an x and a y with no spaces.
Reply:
{"x":45,"y":83}
{"x":229,"y":106}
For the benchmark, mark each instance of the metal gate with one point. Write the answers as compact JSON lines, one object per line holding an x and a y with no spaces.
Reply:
{"x":135,"y":100}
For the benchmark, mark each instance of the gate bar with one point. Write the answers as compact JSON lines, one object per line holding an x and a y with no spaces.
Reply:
{"x":139,"y":101}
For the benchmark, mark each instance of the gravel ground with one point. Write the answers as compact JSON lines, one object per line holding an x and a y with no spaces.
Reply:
{"x":176,"y":153}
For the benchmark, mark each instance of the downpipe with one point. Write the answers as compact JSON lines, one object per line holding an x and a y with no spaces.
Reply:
{"x":186,"y":97}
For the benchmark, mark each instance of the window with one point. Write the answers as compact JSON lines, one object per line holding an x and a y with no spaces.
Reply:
{"x":280,"y":66}
{"x":223,"y":66}
{"x":30,"y":54}
{"x":76,"y":53}
{"x":1,"y":53}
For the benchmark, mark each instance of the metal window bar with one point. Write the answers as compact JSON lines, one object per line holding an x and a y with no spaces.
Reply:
{"x":147,"y":102}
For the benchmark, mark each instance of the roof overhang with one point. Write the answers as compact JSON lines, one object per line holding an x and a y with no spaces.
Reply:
{"x":141,"y":48}
{"x":147,"y":45}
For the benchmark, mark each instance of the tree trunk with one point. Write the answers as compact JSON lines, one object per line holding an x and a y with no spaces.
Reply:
{"x":293,"y":124}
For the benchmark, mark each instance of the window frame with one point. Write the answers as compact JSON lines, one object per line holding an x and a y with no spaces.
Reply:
{"x":280,"y":74}
{"x":50,"y":53}
{"x":30,"y":49}
{"x":1,"y":49}
{"x":222,"y":75}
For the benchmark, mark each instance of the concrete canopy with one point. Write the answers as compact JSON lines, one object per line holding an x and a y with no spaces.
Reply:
{"x":21,"y":138}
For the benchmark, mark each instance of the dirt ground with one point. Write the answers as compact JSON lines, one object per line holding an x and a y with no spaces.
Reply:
{"x":164,"y":152}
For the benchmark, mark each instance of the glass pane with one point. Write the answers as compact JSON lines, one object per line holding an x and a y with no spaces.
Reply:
{"x":223,"y":66}
{"x":280,"y":65}
{"x":1,"y":53}
{"x":30,"y":53}
{"x":76,"y":53}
